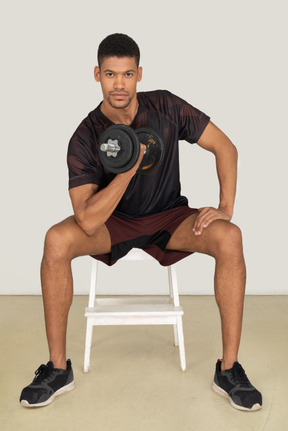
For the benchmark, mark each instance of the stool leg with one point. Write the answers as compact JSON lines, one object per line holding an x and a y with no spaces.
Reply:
{"x":173,"y":289}
{"x":176,"y":339}
{"x":88,"y":343}
{"x":89,"y":326}
{"x":181,"y":343}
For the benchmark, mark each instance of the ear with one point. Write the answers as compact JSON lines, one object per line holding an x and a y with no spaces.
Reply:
{"x":139,"y":74}
{"x":97,"y":73}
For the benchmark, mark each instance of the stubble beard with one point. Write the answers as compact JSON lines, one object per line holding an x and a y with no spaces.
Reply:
{"x":116,"y":106}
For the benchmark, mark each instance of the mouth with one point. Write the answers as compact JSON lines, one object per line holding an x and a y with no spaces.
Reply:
{"x":119,"y":95}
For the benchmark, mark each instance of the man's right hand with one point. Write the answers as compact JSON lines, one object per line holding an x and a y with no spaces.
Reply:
{"x":93,"y":207}
{"x":140,"y":158}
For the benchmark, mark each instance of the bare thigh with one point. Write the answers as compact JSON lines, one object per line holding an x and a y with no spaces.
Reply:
{"x":217,"y":233}
{"x":67,"y":237}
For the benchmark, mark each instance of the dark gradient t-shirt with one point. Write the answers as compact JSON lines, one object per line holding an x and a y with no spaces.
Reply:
{"x":169,"y":116}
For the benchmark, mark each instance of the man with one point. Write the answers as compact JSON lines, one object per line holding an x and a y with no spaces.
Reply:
{"x":113,"y":213}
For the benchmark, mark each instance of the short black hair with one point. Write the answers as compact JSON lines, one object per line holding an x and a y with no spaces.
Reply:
{"x":118,"y":45}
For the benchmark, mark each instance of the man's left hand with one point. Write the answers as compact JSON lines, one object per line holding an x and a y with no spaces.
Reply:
{"x":207,"y":215}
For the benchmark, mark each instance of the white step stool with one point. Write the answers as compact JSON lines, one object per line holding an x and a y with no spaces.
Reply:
{"x":135,"y":310}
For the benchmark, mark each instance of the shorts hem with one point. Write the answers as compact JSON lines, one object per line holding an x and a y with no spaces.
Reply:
{"x":155,"y":247}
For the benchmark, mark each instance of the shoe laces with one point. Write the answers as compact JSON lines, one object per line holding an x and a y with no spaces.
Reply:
{"x":240,"y":375}
{"x":41,"y":373}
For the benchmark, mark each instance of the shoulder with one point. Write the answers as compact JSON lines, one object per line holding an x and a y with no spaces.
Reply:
{"x":88,"y":123}
{"x":160,"y":100}
{"x":156,"y":95}
{"x":85,"y":125}
{"x":88,"y":130}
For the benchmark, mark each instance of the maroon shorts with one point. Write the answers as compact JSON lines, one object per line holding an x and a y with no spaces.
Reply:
{"x":151,"y":234}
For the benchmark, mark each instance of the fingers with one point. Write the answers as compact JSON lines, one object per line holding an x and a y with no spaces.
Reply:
{"x":205,"y":217}
{"x":140,"y":158}
{"x":143,"y":149}
{"x":141,"y":155}
{"x":201,"y":221}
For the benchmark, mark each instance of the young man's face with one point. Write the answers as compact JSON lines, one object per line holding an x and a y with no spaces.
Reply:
{"x":118,"y":78}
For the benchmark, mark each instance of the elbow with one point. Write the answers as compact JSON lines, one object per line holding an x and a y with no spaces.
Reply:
{"x":88,"y":228}
{"x":234,"y":151}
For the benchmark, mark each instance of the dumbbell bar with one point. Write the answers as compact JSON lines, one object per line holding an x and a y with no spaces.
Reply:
{"x":119,"y":149}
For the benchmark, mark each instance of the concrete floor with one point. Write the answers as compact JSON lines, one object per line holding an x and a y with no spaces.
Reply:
{"x":135,"y":381}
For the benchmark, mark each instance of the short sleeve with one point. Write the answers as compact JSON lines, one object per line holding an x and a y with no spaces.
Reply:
{"x":82,"y":158}
{"x":191,"y":121}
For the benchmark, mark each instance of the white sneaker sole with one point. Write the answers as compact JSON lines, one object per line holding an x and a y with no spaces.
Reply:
{"x":60,"y":391}
{"x":221,"y":391}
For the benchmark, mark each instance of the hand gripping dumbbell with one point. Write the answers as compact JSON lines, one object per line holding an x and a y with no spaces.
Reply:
{"x":119,"y":149}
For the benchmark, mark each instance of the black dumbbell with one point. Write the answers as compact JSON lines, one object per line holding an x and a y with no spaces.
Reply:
{"x":119,"y":149}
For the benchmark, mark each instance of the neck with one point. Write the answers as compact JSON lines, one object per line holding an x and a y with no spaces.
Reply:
{"x":121,"y":115}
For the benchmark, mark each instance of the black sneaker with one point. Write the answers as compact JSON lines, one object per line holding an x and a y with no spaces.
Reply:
{"x":48,"y":383}
{"x":235,"y":385}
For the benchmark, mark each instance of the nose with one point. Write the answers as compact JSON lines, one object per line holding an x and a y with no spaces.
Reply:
{"x":119,"y":82}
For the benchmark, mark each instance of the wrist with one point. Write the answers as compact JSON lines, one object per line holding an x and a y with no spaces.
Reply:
{"x":227,"y":209}
{"x":127,"y":176}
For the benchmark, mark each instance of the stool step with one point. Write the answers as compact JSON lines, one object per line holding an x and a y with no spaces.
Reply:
{"x":133,"y":310}
{"x":119,"y":300}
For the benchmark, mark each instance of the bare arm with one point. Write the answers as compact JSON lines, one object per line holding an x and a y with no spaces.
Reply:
{"x":214,"y":140}
{"x":92,"y":207}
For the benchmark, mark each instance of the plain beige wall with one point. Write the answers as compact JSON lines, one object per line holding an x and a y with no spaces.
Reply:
{"x":227,"y":58}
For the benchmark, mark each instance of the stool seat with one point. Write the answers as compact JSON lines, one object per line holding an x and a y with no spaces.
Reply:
{"x":135,"y":310}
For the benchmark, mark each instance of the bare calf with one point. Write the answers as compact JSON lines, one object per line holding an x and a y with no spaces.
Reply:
{"x":223,"y":241}
{"x":64,"y":242}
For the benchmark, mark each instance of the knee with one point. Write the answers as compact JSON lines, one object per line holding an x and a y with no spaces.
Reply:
{"x":229,"y":239}
{"x":57,"y":244}
{"x":234,"y":236}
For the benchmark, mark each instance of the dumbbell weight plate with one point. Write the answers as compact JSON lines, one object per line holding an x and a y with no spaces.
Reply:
{"x":129,"y":149}
{"x":154,"y":150}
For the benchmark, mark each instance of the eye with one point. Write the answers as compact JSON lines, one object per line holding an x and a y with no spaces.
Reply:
{"x":109,"y":74}
{"x":129,"y":74}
